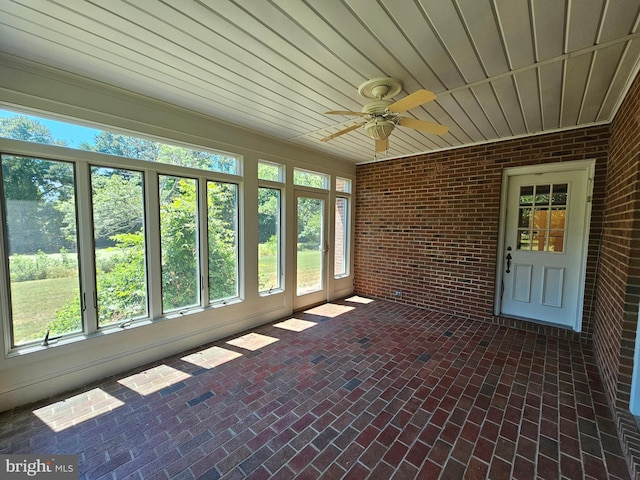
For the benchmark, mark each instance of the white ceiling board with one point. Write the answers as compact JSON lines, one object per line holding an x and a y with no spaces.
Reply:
{"x":529,"y":97}
{"x":508,"y":97}
{"x":620,"y":18}
{"x":419,"y":33}
{"x":585,"y":20}
{"x":489,"y":103}
{"x":499,"y":68}
{"x":550,"y":79}
{"x":514,"y":20}
{"x":625,"y":72}
{"x":445,"y":21}
{"x":575,"y":83}
{"x":603,"y":68}
{"x":480,"y":21}
{"x":549,"y":21}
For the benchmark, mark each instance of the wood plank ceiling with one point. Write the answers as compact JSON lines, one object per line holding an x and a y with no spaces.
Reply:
{"x":500,"y":68}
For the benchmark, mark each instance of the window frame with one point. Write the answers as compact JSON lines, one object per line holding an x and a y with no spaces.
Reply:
{"x":279,"y":185}
{"x":83,"y":161}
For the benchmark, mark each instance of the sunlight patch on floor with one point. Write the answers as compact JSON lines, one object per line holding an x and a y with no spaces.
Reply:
{"x":295,"y":324}
{"x":154,"y":379}
{"x":77,"y":409}
{"x":357,"y":299}
{"x":211,"y":357}
{"x":252,"y":341}
{"x":330,"y":310}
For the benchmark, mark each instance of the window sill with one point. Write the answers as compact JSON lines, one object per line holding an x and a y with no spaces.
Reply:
{"x":113,"y":329}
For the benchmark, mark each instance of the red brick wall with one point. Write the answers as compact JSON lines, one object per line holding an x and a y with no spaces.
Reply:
{"x":618,"y":290}
{"x":428,"y":225}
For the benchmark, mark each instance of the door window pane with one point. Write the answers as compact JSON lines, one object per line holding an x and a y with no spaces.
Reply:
{"x":341,"y":241}
{"x":542,"y":217}
{"x":179,"y":242}
{"x":118,"y":229}
{"x":310,"y":253}
{"x":40,"y":206}
{"x":268,"y":239}
{"x":222,"y":215}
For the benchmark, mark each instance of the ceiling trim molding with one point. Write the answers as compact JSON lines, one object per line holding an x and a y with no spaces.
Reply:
{"x":485,"y":142}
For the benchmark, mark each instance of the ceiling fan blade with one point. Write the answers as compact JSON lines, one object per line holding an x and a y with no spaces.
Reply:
{"x":341,"y":132}
{"x":382,"y":145}
{"x":428,"y":127}
{"x":407,"y":103}
{"x":346,"y":112}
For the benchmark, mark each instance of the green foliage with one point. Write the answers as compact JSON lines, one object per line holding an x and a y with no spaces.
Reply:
{"x":41,"y":193}
{"x":178,"y":236}
{"x":222,"y":231}
{"x":24,"y":268}
{"x":122,"y":292}
{"x":23,"y":128}
{"x":68,"y":319}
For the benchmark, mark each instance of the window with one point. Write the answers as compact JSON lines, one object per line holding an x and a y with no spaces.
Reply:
{"x":84,"y":236}
{"x":117,"y":197}
{"x":307,"y":178}
{"x":222,"y":205}
{"x":273,"y":172}
{"x":269,"y":213}
{"x":343,"y":185}
{"x":42,"y":239}
{"x":542,"y":217}
{"x":41,"y":130}
{"x":341,"y":240}
{"x":179,"y":242}
{"x":270,"y":274}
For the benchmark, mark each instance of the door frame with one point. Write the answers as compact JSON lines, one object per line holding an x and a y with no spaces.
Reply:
{"x":322,"y":295}
{"x":588,"y":167}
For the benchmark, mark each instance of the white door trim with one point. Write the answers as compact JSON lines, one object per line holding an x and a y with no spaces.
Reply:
{"x":588,"y":166}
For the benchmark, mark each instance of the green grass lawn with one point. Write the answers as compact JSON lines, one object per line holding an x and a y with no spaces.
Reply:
{"x":309,"y":262}
{"x":35,"y":303}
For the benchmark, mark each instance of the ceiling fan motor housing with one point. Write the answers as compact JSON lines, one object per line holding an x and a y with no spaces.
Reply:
{"x":379,"y":128}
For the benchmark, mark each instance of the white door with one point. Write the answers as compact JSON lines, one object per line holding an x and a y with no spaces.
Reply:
{"x":312,"y":249}
{"x":544,"y":250}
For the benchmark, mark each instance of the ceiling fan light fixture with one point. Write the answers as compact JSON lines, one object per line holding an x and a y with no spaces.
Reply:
{"x":379,"y":128}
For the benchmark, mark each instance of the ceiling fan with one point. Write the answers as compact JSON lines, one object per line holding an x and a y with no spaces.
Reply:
{"x":380,"y":116}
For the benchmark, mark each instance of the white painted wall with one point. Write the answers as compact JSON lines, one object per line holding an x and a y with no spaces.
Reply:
{"x":43,"y":372}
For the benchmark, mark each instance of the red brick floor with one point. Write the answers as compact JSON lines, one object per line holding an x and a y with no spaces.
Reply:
{"x":348,"y":390}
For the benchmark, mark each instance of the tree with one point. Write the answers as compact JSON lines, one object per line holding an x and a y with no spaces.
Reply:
{"x":23,"y":128}
{"x":32,"y":188}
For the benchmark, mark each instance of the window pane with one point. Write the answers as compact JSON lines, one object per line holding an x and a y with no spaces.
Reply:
{"x":39,"y":130}
{"x":559,"y":196}
{"x":341,"y":237}
{"x":268,"y":239}
{"x":309,"y":258}
{"x":179,"y":242}
{"x":526,"y":196}
{"x":306,"y":178}
{"x":40,"y":204}
{"x":525,"y":218}
{"x":343,"y":185}
{"x":222,"y":204}
{"x":270,"y":171}
{"x":118,"y":228}
{"x":524,"y":240}
{"x":542,"y":194}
